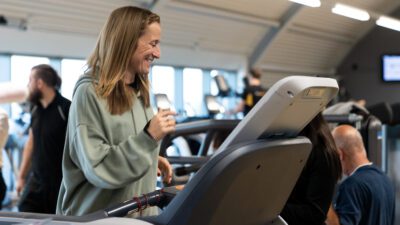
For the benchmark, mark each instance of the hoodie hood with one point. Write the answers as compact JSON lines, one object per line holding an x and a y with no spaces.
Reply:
{"x":85,"y":78}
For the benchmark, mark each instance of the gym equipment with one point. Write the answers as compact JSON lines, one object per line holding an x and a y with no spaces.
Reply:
{"x":250,"y":177}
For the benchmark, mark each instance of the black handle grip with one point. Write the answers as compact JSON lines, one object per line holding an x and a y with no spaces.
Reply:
{"x":135,"y":205}
{"x":158,"y":198}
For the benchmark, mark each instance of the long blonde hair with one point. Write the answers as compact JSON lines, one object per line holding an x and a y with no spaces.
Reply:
{"x":110,"y":59}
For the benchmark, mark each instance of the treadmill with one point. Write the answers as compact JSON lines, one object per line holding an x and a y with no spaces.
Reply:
{"x":247,"y":181}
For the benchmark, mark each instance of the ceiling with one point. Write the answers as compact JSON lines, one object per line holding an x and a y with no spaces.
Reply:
{"x":275,"y":35}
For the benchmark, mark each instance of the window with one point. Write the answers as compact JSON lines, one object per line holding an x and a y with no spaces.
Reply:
{"x":229,"y":102}
{"x":71,"y":69}
{"x":21,"y":67}
{"x":163,"y":82}
{"x":193,"y":96}
{"x":20,"y":70}
{"x":213,"y":85}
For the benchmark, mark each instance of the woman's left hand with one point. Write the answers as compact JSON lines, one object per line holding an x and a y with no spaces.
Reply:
{"x":164,"y":169}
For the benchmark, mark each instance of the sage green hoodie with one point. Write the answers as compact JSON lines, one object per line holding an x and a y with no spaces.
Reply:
{"x":107,"y":158}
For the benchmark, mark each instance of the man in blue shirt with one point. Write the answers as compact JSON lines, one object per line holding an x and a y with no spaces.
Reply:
{"x":367,"y":196}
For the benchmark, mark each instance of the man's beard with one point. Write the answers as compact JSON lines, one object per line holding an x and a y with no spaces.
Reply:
{"x":35,"y":96}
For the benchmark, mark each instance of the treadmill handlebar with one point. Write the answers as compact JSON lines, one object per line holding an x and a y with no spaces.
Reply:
{"x":345,"y":118}
{"x":185,"y":170}
{"x":158,"y":198}
{"x":188,"y":159}
{"x":195,"y":127}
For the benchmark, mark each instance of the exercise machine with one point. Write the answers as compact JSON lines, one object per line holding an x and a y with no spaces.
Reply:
{"x":249,"y":179}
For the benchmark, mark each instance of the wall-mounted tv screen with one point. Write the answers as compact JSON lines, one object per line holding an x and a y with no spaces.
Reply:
{"x":390,"y":67}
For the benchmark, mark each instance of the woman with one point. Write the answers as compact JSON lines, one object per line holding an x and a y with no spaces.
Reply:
{"x":310,"y":199}
{"x":111,"y":149}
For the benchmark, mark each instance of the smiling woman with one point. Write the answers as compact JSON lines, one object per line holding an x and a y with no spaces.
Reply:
{"x":147,"y":50}
{"x":111,"y":149}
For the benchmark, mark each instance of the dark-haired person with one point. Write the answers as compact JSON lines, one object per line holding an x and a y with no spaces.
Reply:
{"x":252,"y":93}
{"x":44,"y":148}
{"x":112,"y":143}
{"x":312,"y":195}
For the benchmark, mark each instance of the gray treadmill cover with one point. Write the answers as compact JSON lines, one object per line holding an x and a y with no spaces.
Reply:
{"x":287,"y":107}
{"x":283,"y":111}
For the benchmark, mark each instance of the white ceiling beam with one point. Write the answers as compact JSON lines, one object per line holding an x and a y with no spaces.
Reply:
{"x":321,"y":34}
{"x":294,"y":70}
{"x":200,"y":58}
{"x":261,"y":48}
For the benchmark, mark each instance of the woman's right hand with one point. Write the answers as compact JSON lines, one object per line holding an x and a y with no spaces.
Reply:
{"x":162,"y":124}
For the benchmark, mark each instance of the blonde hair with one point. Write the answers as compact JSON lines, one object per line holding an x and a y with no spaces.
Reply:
{"x":110,"y":59}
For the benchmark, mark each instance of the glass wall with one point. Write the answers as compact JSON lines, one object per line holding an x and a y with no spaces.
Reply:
{"x":21,"y":67}
{"x":185,"y":87}
{"x":163,"y":81}
{"x":71,"y":69}
{"x":230,"y":101}
{"x":193,"y":94}
{"x":20,"y":70}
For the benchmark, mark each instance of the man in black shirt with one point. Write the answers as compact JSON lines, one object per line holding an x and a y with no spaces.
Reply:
{"x":44,"y":148}
{"x":252,"y":92}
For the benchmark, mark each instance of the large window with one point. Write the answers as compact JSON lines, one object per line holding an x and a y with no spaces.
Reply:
{"x":193,"y":96}
{"x":20,"y":70}
{"x":213,"y":84}
{"x":21,"y":67}
{"x":71,"y":69}
{"x":163,"y":82}
{"x":184,"y":87}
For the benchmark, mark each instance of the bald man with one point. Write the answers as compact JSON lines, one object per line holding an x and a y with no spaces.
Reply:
{"x":367,"y":196}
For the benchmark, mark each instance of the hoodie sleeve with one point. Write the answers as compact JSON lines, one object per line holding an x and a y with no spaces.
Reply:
{"x":104,"y":164}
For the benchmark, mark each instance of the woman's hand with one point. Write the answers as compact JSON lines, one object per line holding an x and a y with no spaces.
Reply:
{"x":162,"y":124}
{"x":164,"y":169}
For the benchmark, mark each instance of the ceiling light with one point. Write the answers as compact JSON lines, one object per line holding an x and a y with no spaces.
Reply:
{"x":350,"y":12}
{"x":311,"y":3}
{"x":388,"y":22}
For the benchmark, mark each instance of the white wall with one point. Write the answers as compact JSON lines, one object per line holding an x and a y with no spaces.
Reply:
{"x":79,"y":46}
{"x":47,"y":44}
{"x":361,"y":69}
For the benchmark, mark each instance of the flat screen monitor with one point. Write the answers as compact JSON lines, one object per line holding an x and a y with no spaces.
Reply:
{"x":390,"y":66}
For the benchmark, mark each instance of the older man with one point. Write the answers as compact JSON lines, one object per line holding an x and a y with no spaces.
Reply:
{"x":367,"y":196}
